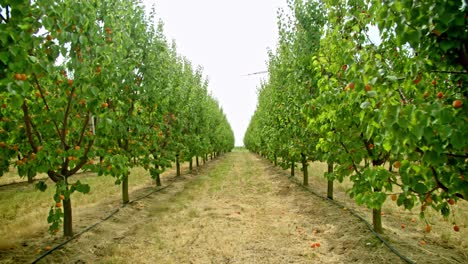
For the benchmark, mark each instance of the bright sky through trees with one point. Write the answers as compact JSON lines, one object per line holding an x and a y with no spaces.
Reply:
{"x":229,"y":39}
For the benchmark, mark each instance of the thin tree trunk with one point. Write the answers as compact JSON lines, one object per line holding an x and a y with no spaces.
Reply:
{"x":125,"y":198}
{"x":67,"y":218}
{"x":157,"y":177}
{"x":275,"y":160}
{"x":158,"y":180}
{"x":330,"y":183}
{"x":196,"y":161}
{"x":177,"y":165}
{"x":377,"y":218}
{"x":191,"y":165}
{"x":292,"y":168}
{"x":305,"y":172}
{"x":30,"y":178}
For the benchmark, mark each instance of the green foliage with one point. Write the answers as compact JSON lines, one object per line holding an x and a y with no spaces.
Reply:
{"x":88,"y":80}
{"x":385,"y":83}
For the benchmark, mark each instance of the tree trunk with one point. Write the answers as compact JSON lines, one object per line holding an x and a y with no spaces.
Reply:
{"x":197,"y":162}
{"x":30,"y":178}
{"x":292,"y":168}
{"x":177,"y":166}
{"x":125,"y":198}
{"x":67,"y":218}
{"x":191,"y":165}
{"x":275,"y":160}
{"x":157,"y":177}
{"x":330,"y":183}
{"x":377,"y":218}
{"x":305,"y":172}
{"x":158,"y":180}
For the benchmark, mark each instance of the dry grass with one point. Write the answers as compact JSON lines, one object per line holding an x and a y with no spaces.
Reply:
{"x":240,"y":209}
{"x":442,"y":235}
{"x":237,"y":211}
{"x":24,"y":210}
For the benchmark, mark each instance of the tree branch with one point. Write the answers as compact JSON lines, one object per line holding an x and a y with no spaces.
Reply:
{"x":46,"y":105}
{"x":27,"y":122}
{"x":352,"y":160}
{"x":402,"y":95}
{"x":83,"y":129}
{"x":3,"y":19}
{"x":83,"y":160}
{"x":65,"y":118}
{"x":7,"y":12}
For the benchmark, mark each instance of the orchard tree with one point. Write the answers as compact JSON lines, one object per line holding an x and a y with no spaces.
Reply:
{"x":52,"y":88}
{"x":387,"y":83}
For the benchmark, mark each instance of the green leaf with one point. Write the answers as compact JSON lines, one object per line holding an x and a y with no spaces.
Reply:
{"x":372,"y":94}
{"x":387,"y":145}
{"x":420,"y":188}
{"x":41,"y":186}
{"x":82,"y":188}
{"x":365,"y":105}
{"x":4,"y":57}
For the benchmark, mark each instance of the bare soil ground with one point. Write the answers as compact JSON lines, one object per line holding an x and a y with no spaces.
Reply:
{"x":237,"y":209}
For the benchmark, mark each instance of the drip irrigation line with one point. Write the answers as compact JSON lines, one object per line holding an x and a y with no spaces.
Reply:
{"x":96,"y":224}
{"x":354,"y":213}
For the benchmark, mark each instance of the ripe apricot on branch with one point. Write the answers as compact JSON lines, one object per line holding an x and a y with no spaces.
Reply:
{"x":457,"y":103}
{"x":368,"y":87}
{"x":440,"y":95}
{"x":20,"y":77}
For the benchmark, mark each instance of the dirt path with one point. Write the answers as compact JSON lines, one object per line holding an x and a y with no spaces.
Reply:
{"x":237,"y":210}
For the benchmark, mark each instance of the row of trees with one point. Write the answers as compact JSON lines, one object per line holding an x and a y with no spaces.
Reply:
{"x":94,"y":85}
{"x":376,"y":89}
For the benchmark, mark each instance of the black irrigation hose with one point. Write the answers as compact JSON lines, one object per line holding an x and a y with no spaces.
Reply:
{"x":96,"y":224}
{"x":386,"y":243}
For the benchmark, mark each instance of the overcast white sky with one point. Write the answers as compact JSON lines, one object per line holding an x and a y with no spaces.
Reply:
{"x":229,"y":39}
